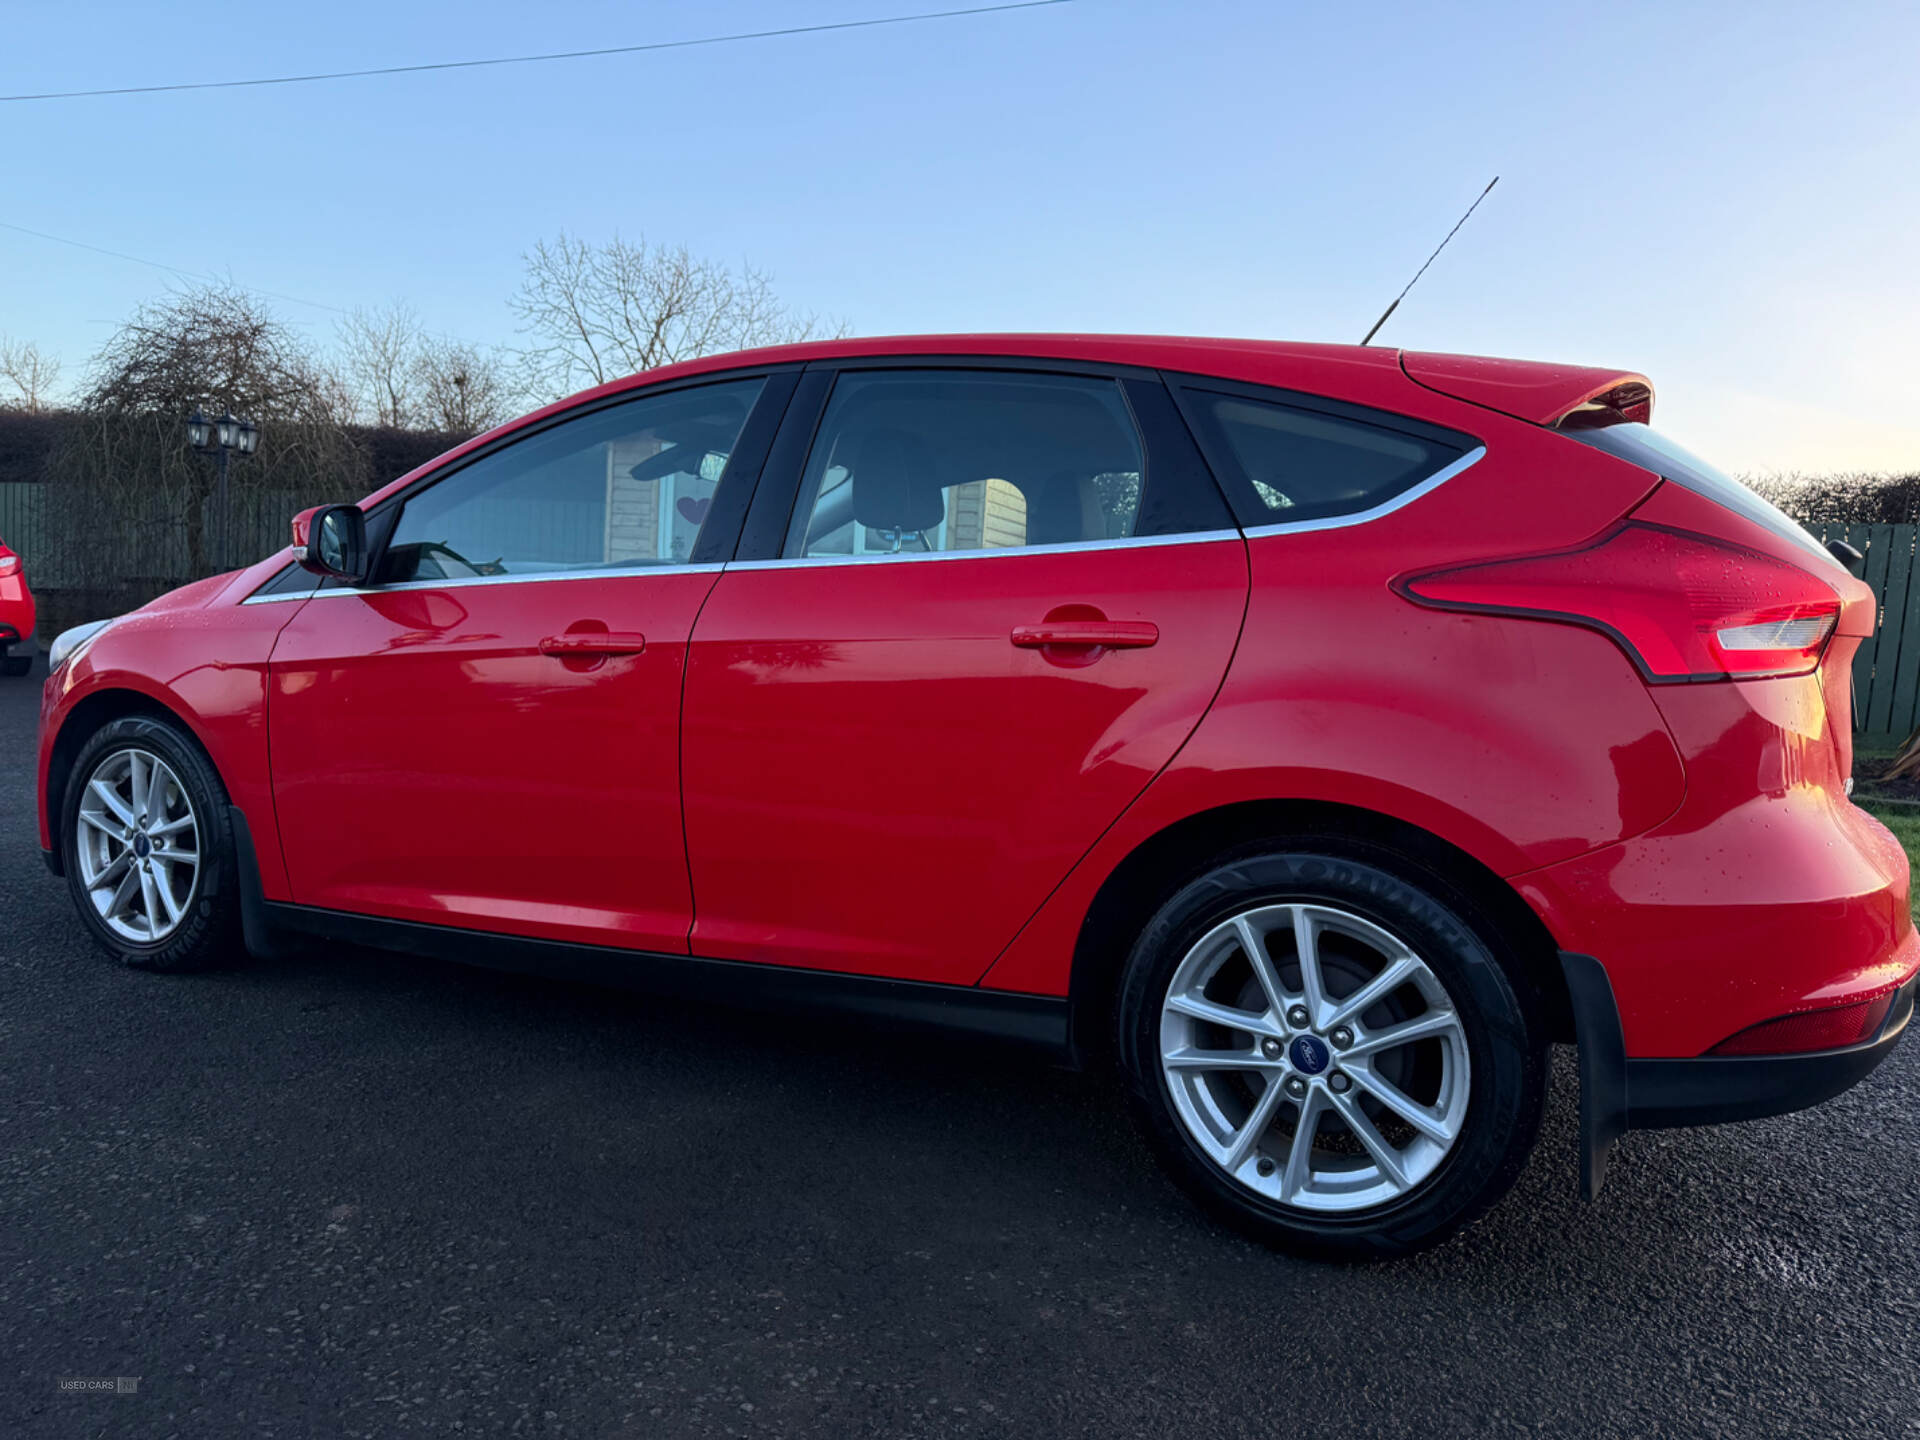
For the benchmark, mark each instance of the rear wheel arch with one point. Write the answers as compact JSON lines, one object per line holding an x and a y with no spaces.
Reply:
{"x":1160,"y":865}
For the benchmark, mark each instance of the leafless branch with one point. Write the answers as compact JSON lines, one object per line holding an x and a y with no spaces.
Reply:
{"x":462,"y":389}
{"x":596,"y":312}
{"x":377,"y":348}
{"x":30,"y":374}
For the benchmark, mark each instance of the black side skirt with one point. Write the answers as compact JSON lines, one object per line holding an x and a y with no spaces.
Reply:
{"x":1618,"y":1094}
{"x":1035,"y":1022}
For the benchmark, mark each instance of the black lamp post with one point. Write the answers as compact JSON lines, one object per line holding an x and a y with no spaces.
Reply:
{"x":218,"y":440}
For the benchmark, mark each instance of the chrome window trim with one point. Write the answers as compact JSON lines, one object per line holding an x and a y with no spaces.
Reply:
{"x":998,"y":552}
{"x":282,"y":595}
{"x":1203,"y":537}
{"x":464,"y":581}
{"x":1385,"y":507}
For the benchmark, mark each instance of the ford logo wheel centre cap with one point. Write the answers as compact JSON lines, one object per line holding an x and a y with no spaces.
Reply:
{"x":1309,"y":1054}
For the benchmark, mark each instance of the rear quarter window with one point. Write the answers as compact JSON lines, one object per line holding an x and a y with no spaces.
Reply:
{"x":1646,"y":447}
{"x":1286,"y":459}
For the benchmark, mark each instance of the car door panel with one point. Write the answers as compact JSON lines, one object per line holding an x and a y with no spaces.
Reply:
{"x":880,"y":781}
{"x":890,"y":759}
{"x":432,"y":763}
{"x":488,"y":735}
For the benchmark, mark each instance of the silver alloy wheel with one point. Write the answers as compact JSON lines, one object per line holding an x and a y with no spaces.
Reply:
{"x":138,"y":844}
{"x":1314,"y":1057}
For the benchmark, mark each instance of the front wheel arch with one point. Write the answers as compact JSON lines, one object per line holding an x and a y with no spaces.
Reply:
{"x":86,"y":719}
{"x":207,"y":923}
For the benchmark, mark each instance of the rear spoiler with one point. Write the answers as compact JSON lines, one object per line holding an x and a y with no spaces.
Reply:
{"x":1572,"y":397}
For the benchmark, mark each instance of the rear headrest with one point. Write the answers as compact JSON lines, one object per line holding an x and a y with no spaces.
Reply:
{"x":896,"y":485}
{"x":1065,"y":509}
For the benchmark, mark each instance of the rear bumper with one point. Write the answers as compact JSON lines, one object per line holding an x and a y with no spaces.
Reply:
{"x":1618,"y":1094}
{"x":1790,"y":899}
{"x":1713,"y":1089}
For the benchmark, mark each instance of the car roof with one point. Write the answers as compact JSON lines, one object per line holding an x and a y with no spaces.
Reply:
{"x":1166,"y":352}
{"x":1361,"y":374}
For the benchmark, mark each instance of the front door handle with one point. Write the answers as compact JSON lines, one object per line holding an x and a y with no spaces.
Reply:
{"x":1106,"y":634}
{"x":593,"y":642}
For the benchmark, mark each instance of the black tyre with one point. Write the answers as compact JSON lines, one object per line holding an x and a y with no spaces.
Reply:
{"x":14,"y":666}
{"x":148,"y":848}
{"x":1327,"y":1055}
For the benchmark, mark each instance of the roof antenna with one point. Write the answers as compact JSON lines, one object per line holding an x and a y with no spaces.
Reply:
{"x":1430,"y":259}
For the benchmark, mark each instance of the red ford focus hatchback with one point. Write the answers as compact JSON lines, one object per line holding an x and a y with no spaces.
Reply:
{"x":1314,"y":733}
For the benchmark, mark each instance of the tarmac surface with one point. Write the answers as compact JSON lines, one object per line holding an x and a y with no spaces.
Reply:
{"x":357,"y":1194}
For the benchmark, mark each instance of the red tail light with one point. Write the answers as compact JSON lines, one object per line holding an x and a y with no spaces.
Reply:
{"x":1832,"y":1029}
{"x":1683,"y":606}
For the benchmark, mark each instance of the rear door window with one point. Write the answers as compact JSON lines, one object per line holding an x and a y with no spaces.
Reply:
{"x":1287,"y":460}
{"x":913,"y":462}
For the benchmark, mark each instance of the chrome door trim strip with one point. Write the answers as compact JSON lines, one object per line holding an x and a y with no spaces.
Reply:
{"x":554,"y":576}
{"x":1387,"y":507}
{"x":283,"y":595}
{"x":1205,"y":537}
{"x":1006,"y":552}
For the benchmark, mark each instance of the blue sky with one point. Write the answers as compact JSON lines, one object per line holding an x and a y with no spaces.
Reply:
{"x":1726,"y":196}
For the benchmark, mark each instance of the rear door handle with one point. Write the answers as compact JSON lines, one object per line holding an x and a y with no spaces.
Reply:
{"x":594,"y":642}
{"x":1107,"y":634}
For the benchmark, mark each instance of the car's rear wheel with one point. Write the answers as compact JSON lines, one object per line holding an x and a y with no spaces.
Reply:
{"x":149,"y":849}
{"x":1328,"y":1055}
{"x":15,"y":666}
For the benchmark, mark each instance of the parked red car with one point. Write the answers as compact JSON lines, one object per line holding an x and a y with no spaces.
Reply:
{"x":1316,"y":733}
{"x":16,"y":615}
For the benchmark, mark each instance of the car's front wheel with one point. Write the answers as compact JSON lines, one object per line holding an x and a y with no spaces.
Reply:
{"x":149,"y":848}
{"x":1328,"y":1055}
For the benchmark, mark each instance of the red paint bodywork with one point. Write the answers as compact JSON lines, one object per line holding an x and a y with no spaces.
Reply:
{"x":431,"y":763}
{"x":202,"y":655}
{"x":855,"y":767}
{"x":879,"y":780}
{"x":17,"y":615}
{"x":1523,"y":389}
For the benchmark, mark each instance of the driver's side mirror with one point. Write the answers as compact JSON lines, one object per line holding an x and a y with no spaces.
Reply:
{"x":332,"y":540}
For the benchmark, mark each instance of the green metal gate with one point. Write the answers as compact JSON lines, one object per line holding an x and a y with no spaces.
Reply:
{"x":1886,"y":671}
{"x":21,"y":517}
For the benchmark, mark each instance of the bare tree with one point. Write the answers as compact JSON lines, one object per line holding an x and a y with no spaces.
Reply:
{"x":129,"y":484}
{"x":461,"y":388}
{"x":215,"y":345}
{"x":596,"y":312}
{"x":378,"y":350}
{"x":30,"y":374}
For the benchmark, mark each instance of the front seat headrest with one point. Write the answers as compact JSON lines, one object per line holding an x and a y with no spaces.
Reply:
{"x":896,"y":485}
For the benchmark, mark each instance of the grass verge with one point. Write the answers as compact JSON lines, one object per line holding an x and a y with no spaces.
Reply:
{"x":1904,"y":822}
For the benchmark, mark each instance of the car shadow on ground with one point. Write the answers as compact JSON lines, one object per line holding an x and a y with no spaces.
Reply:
{"x":617,"y":1078}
